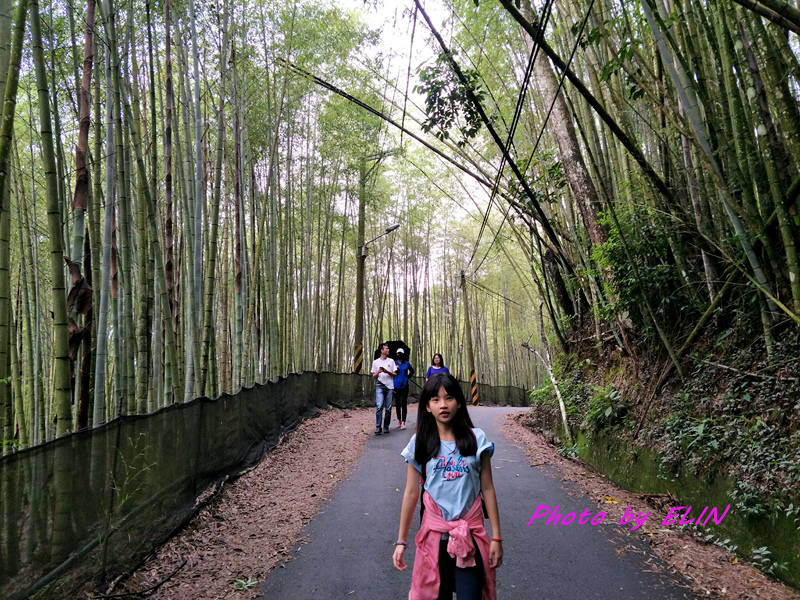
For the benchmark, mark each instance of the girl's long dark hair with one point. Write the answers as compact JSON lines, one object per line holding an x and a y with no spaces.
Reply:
{"x":441,"y":361}
{"x":427,"y":443}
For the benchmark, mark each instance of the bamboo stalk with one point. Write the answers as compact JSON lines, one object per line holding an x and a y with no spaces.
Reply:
{"x":61,"y":365}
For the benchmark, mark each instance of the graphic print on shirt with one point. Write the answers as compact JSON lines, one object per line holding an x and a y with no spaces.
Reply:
{"x":452,"y":467}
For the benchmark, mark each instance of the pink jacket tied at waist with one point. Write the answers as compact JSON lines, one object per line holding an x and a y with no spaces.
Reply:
{"x":425,"y":578}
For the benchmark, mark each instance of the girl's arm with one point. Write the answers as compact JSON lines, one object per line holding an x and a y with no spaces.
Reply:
{"x":410,"y":497}
{"x":490,"y":499}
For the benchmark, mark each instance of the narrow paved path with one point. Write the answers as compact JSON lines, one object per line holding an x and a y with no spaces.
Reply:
{"x":351,"y":541}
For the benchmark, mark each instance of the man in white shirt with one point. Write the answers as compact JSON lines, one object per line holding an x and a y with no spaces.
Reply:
{"x":384,"y":370}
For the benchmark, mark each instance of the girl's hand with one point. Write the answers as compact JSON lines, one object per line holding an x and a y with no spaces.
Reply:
{"x":495,"y":554}
{"x":397,"y":558}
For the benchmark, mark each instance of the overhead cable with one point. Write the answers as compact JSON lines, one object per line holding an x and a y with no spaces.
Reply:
{"x":546,"y":119}
{"x":377,"y":113}
{"x":514,"y":122}
{"x":543,"y":220}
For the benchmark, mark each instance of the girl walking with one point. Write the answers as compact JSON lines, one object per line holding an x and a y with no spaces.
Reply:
{"x":452,"y":460}
{"x":437,"y":366}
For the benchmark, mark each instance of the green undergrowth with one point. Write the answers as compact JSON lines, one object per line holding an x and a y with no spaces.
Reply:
{"x":735,"y":415}
{"x":742,"y":423}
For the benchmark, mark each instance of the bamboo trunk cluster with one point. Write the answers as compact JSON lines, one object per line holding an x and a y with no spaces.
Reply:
{"x":643,"y":170}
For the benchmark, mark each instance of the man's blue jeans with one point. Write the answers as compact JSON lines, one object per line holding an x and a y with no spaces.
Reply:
{"x":383,"y":402}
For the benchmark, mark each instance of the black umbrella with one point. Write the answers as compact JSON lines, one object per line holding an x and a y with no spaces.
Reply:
{"x":394,"y":346}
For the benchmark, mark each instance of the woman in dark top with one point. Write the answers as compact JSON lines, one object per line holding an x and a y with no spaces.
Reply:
{"x":437,"y":366}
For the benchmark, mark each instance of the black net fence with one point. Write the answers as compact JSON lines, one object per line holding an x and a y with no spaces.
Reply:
{"x":499,"y":395}
{"x":92,"y":505}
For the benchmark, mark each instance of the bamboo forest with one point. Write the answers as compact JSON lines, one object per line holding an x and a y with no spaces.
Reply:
{"x":213,"y":215}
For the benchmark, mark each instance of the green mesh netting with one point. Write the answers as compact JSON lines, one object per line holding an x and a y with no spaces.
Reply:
{"x":93,"y":504}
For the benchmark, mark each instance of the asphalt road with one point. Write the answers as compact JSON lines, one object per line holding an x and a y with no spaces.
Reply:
{"x":349,"y":555}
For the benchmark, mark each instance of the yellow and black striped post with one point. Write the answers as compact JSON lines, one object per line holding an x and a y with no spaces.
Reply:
{"x":358,"y":359}
{"x":473,"y":381}
{"x":473,"y":384}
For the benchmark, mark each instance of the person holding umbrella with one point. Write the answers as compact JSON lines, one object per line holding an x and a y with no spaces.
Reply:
{"x":401,"y":380}
{"x":384,"y":370}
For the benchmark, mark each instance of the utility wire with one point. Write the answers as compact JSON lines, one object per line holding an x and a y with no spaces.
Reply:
{"x":385,"y":79}
{"x":408,"y":75}
{"x":561,"y":81}
{"x":542,"y":218}
{"x":436,"y":184}
{"x":546,"y":120}
{"x":472,"y":62}
{"x":498,"y":295}
{"x":377,"y":113}
{"x":512,"y":130}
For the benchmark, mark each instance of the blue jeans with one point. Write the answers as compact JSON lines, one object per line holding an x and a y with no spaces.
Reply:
{"x":466,"y":583}
{"x":383,"y":402}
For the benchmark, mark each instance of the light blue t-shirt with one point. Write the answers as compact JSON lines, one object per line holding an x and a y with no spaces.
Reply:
{"x":452,"y":480}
